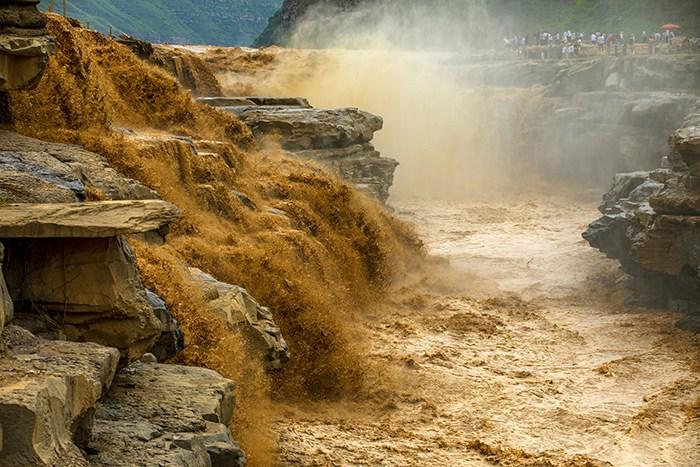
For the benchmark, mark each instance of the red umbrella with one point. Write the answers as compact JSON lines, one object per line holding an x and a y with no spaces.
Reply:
{"x":670,"y":26}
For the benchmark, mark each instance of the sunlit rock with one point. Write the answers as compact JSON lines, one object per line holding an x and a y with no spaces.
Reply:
{"x":47,"y":393}
{"x":166,"y":415}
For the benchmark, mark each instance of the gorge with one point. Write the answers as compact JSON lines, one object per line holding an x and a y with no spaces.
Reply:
{"x":215,"y":256}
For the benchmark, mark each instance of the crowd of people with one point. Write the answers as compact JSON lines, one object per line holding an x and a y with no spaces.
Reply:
{"x":571,"y":43}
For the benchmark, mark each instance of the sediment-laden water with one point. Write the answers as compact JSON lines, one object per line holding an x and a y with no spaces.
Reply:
{"x":524,"y":353}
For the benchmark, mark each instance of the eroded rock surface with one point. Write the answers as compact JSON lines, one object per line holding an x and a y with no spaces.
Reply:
{"x":242,"y":313}
{"x":48,"y":390}
{"x":337,"y":138}
{"x":35,"y":171}
{"x":24,"y":44}
{"x":651,"y":223}
{"x":89,"y":287}
{"x":159,"y":415}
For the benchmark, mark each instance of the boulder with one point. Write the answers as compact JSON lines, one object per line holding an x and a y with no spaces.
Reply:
{"x":165,"y":415}
{"x":48,"y":390}
{"x":242,"y":313}
{"x":25,"y":45}
{"x":100,"y":219}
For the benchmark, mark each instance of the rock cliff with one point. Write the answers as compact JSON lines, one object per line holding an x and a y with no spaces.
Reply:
{"x":282,"y":23}
{"x":68,"y":273}
{"x":651,"y":223}
{"x":336,"y":138}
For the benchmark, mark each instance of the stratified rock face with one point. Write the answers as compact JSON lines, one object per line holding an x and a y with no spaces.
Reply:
{"x":67,"y":260}
{"x":24,"y":44}
{"x":603,"y":115}
{"x":651,"y":224}
{"x":47,"y":393}
{"x":34,"y":171}
{"x":159,"y":415}
{"x":242,"y":313}
{"x":337,"y":138}
{"x":88,"y":286}
{"x":96,"y":219}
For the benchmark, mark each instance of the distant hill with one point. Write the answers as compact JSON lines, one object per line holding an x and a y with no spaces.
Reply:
{"x":215,"y":22}
{"x":489,"y":20}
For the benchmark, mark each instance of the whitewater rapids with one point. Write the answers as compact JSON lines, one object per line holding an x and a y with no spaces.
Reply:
{"x":523,"y":354}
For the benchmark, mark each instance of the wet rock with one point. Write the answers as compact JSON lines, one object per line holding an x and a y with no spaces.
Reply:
{"x":68,"y":262}
{"x":651,"y":223}
{"x":25,"y":45}
{"x":34,"y":171}
{"x":47,"y":393}
{"x":165,"y":415}
{"x":242,"y":313}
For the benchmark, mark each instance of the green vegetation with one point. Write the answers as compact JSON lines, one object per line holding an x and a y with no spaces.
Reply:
{"x":215,"y":22}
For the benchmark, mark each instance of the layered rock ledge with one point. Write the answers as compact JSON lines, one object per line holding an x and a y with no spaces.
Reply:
{"x":339,"y":139}
{"x":25,"y":44}
{"x":651,"y":223}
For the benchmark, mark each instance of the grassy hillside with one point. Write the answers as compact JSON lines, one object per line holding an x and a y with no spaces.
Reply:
{"x":216,"y":22}
{"x":483,"y":22}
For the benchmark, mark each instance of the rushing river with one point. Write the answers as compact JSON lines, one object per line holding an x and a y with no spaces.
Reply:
{"x":521,"y":352}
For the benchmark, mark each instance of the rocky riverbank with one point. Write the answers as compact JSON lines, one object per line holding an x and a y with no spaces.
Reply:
{"x":650,"y":225}
{"x":122,"y":255}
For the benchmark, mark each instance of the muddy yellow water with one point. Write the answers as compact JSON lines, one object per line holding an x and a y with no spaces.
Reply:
{"x":520,"y":352}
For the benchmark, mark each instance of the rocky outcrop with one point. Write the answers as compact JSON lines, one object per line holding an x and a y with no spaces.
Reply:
{"x":34,"y":171}
{"x":651,"y":223}
{"x":241,"y":313}
{"x":24,"y":44}
{"x":96,"y":219}
{"x":62,"y":405}
{"x":86,"y":284}
{"x":48,"y":390}
{"x":590,"y":118}
{"x":337,"y":138}
{"x":633,"y":73}
{"x":165,"y":415}
{"x":66,"y":261}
